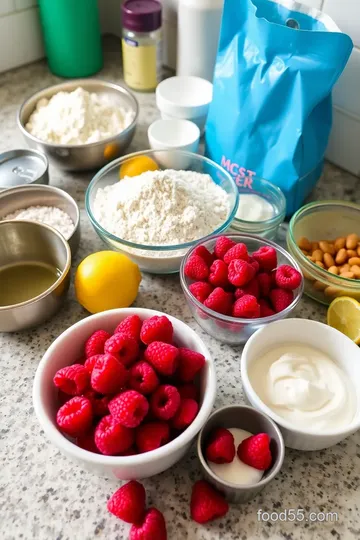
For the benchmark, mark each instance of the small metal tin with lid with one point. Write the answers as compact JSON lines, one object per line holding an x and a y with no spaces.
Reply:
{"x":23,"y":166}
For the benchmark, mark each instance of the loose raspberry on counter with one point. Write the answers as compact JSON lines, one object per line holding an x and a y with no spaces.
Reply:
{"x":255,"y":451}
{"x":281,"y":299}
{"x":163,"y":357}
{"x":157,"y":328}
{"x":201,"y":290}
{"x":186,"y":414}
{"x":204,"y":254}
{"x":219,"y":301}
{"x":287,"y":277}
{"x":87,"y":442}
{"x":151,"y":436}
{"x":75,"y":417}
{"x":123,"y":347}
{"x":222,"y":246}
{"x":165,"y":402}
{"x":99,"y":403}
{"x":221,"y":447}
{"x":196,"y":268}
{"x":239,"y":251}
{"x":190,"y":363}
{"x":219,"y":274}
{"x":72,"y":380}
{"x":112,"y":438}
{"x":266,"y":257}
{"x":143,"y":378}
{"x":265,"y":309}
{"x":95,"y":344}
{"x":240,"y":272}
{"x":188,"y":390}
{"x":109,"y":375}
{"x":251,"y":288}
{"x":130,"y":326}
{"x":153,"y":527}
{"x":206,"y":503}
{"x":264,"y":280}
{"x":128,"y":502}
{"x":246,"y":307}
{"x":90,"y":362}
{"x":129,"y":408}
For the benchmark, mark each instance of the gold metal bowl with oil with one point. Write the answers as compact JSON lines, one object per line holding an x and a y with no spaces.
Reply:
{"x":35,"y":265}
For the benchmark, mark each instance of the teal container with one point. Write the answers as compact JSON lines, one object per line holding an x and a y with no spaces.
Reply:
{"x":72,"y":36}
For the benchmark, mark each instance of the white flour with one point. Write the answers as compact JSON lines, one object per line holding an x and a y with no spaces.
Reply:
{"x":162,"y":207}
{"x":77,"y":117}
{"x":49,"y":215}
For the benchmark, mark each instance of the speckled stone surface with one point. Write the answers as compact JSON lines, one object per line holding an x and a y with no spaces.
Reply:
{"x":44,"y":496}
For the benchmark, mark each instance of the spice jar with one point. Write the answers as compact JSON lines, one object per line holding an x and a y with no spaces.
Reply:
{"x":142,"y":44}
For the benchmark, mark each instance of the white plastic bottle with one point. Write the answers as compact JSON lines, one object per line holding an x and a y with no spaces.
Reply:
{"x":198,"y":35}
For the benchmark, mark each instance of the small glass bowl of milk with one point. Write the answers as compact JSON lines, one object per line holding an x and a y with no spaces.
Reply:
{"x":261,"y":210}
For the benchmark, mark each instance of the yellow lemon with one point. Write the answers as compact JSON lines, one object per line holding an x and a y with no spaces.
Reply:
{"x":137,"y":165}
{"x":106,"y":280}
{"x":344,"y":315}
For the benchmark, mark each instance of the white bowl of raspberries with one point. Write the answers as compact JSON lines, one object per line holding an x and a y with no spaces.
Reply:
{"x":124,"y":392}
{"x":235,"y":284}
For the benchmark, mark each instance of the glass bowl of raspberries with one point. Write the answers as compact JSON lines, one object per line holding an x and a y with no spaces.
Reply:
{"x":124,"y":392}
{"x":234,"y":284}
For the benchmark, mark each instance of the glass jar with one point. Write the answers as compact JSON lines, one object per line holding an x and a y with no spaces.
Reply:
{"x":142,"y":44}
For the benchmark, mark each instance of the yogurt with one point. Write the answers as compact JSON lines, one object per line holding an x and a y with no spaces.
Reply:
{"x":237,"y":472}
{"x":252,"y":207}
{"x":305,"y":387}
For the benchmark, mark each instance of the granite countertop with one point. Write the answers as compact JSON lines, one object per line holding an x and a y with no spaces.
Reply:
{"x":45,"y":496}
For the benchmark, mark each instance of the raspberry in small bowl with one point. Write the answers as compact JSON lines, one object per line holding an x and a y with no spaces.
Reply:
{"x":235,"y":284}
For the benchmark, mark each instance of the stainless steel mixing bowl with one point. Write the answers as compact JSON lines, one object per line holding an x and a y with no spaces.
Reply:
{"x":86,"y":156}
{"x":27,"y":241}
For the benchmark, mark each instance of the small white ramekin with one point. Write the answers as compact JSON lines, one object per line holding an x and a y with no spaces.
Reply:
{"x":174,"y":134}
{"x":313,"y":334}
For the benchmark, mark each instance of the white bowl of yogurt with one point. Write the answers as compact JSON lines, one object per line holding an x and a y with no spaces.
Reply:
{"x":305,"y":375}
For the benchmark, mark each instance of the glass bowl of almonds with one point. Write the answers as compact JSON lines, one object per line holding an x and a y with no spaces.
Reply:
{"x":324,"y":238}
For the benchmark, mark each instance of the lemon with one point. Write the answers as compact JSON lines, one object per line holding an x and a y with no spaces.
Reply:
{"x":344,"y":315}
{"x":106,"y":280}
{"x":137,"y":165}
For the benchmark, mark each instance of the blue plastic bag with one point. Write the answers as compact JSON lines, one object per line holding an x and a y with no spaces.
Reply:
{"x":271,"y":111}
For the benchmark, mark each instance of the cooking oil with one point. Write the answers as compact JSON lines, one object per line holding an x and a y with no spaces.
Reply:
{"x":23,"y":281}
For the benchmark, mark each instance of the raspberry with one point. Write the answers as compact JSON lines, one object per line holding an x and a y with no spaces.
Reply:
{"x":72,"y":380}
{"x":90,"y":362}
{"x":222,"y":245}
{"x":251,"y":288}
{"x":153,"y":527}
{"x":112,"y":438}
{"x":188,"y":390}
{"x":255,"y":451}
{"x":190,"y":363}
{"x":151,"y":436}
{"x":280,"y":299}
{"x":99,"y":403}
{"x":287,"y":277}
{"x":165,"y":402}
{"x":163,"y":357}
{"x":266,"y":257}
{"x":130,"y":326}
{"x":204,"y":254}
{"x":201,"y":290}
{"x":129,"y":408}
{"x":239,"y":251}
{"x":240,"y":272}
{"x":109,"y":375}
{"x":206,"y":504}
{"x":143,"y":378}
{"x":186,"y":414}
{"x":129,"y":452}
{"x":254,"y":264}
{"x":95,"y":343}
{"x":75,"y":416}
{"x":219,"y":274}
{"x":246,"y":307}
{"x":265,"y":309}
{"x":219,"y":301}
{"x":87,"y":442}
{"x":221,"y":448}
{"x":124,"y":348}
{"x":264,"y":281}
{"x":196,"y":268}
{"x":157,"y":328}
{"x":128,"y":502}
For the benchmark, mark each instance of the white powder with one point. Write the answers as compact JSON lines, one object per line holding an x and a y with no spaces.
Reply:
{"x":49,"y":215}
{"x":77,"y":117}
{"x":162,"y":207}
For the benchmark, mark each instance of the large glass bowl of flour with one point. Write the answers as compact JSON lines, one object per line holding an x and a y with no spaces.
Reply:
{"x":157,"y":216}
